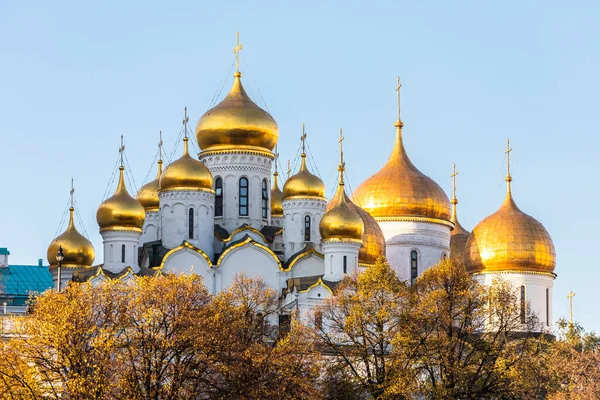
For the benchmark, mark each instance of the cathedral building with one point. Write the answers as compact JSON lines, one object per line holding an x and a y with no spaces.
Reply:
{"x":223,"y":213}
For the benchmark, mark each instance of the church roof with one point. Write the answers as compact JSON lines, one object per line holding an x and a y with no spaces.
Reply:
{"x":18,"y":281}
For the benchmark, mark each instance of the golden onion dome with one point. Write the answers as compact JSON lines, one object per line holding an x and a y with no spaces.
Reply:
{"x":400,"y":191}
{"x":341,"y":222}
{"x":237,"y":122}
{"x":121,"y":211}
{"x":459,"y":235}
{"x":276,"y":197}
{"x":148,"y":194}
{"x":77,"y":250}
{"x":186,"y":173}
{"x":304,"y":184}
{"x":510,"y":240}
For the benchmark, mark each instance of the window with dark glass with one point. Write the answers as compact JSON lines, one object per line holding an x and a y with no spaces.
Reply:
{"x":191,"y":223}
{"x":523,"y":304}
{"x":123,"y":253}
{"x":218,"y":197}
{"x":547,"y":307}
{"x":243,"y":197}
{"x":345,"y":264}
{"x":307,"y":228}
{"x":414,"y":266}
{"x":265,"y":198}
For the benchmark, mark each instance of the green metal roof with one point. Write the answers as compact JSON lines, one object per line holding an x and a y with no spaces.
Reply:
{"x":4,"y":251}
{"x":18,"y":281}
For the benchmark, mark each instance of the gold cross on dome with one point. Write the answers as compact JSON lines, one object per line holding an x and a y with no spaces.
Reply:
{"x":398,"y":86}
{"x":276,"y":158}
{"x":453,"y":176}
{"x":160,"y":144}
{"x":289,"y":169}
{"x":122,"y":150}
{"x":185,"y":121}
{"x":236,"y":50}
{"x":340,"y":141}
{"x":303,"y":139}
{"x":72,"y":193}
{"x":507,"y":151}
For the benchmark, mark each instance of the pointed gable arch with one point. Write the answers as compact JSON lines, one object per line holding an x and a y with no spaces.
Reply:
{"x":245,"y":242}
{"x":318,"y":290}
{"x":306,"y":262}
{"x":243,"y":231}
{"x":181,"y":259}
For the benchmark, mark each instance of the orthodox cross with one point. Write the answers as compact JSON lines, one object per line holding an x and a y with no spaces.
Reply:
{"x":342,"y":166}
{"x":398,"y":86}
{"x":72,"y":192}
{"x":570,"y":297}
{"x":289,"y":170}
{"x":453,"y":176}
{"x":507,"y":151}
{"x":276,"y":160}
{"x":122,"y":150}
{"x":160,"y":144}
{"x":186,"y":119}
{"x":236,"y":50}
{"x":303,"y":139}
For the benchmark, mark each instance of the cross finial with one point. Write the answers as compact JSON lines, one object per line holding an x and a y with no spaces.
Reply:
{"x":453,"y":176}
{"x":303,"y":139}
{"x":342,"y":166}
{"x":570,"y":297}
{"x":236,"y":50}
{"x":122,"y":150}
{"x":507,"y":151}
{"x":398,"y":86}
{"x":160,"y":145}
{"x":289,"y":169}
{"x":185,"y":121}
{"x":276,"y":159}
{"x":72,"y":193}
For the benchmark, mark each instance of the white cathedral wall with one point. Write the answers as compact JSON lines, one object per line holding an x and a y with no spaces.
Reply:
{"x":113,"y":242}
{"x":174,"y":206}
{"x":151,"y":229}
{"x":311,"y":265}
{"x":431,"y":241}
{"x":187,"y":261}
{"x":334,"y":253}
{"x":535,"y":291}
{"x":251,"y":261}
{"x":294,"y":211}
{"x":231,"y":166}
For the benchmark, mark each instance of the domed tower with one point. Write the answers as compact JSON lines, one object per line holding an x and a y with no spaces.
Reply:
{"x":411,"y":209}
{"x":121,"y":218}
{"x":237,"y":138}
{"x":303,"y":207}
{"x":516,"y":247}
{"x":342,"y":231}
{"x":276,"y":198}
{"x":459,"y":235}
{"x":77,"y":251}
{"x":148,"y":197}
{"x":187,"y":202}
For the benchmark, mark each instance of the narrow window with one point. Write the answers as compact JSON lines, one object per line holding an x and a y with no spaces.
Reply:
{"x":523,"y":304}
{"x":345,"y":264}
{"x":244,"y":197}
{"x":547,"y":307}
{"x":218,"y":197}
{"x":307,"y":228}
{"x":265,"y":199}
{"x":122,"y":253}
{"x":112,"y":256}
{"x":414,"y":271}
{"x":191,"y":223}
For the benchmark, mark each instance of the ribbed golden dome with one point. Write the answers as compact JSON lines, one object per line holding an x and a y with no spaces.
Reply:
{"x":459,"y":235}
{"x":121,"y":211}
{"x":237,"y":122}
{"x":373,"y":241}
{"x":148,"y":194}
{"x":399,"y":190}
{"x":304,"y":184}
{"x":341,"y":222}
{"x":77,"y":250}
{"x":510,"y":240}
{"x":186,"y":173}
{"x":276,"y":197}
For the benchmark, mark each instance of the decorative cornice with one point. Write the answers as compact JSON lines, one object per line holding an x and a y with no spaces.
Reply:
{"x":507,"y":272}
{"x":121,"y":229}
{"x":416,"y":219}
{"x":185,"y":189}
{"x":241,"y":150}
{"x":342,"y":240}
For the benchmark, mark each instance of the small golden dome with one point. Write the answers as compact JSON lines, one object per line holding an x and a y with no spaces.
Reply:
{"x":459,"y":235}
{"x":186,"y":173}
{"x":276,"y":197}
{"x":121,"y":211}
{"x":237,"y":122}
{"x":77,"y":250}
{"x":399,"y":190}
{"x":341,"y":222}
{"x":304,"y":184}
{"x":510,"y":240}
{"x":148,"y":194}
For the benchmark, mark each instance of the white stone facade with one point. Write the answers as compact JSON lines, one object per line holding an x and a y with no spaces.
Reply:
{"x":120,"y":250}
{"x":152,"y":227}
{"x":341,"y":258}
{"x":295,"y":211}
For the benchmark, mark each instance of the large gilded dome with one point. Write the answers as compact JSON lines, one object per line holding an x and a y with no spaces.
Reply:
{"x":186,"y":173}
{"x":148,"y":194}
{"x":121,"y":211}
{"x":77,"y":250}
{"x":510,"y":240}
{"x":276,"y":197}
{"x":237,"y":122}
{"x":400,"y":191}
{"x":341,"y":222}
{"x":304,"y":184}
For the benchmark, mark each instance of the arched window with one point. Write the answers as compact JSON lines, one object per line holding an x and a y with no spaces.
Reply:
{"x":414,"y":266}
{"x":123,"y":253}
{"x":547,"y":307}
{"x":218,"y":197}
{"x":523,"y":304}
{"x":243,"y":197}
{"x":345,"y":264}
{"x":265,"y":199}
{"x":307,"y":228}
{"x":191,"y":223}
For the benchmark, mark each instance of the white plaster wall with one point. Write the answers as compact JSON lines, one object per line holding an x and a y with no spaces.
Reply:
{"x":113,"y":240}
{"x":251,"y":261}
{"x":231,"y":166}
{"x":151,"y":229}
{"x":334,"y":253}
{"x":535,"y":291}
{"x":294,"y":211}
{"x":188,"y":261}
{"x":310,"y":265}
{"x":174,"y":206}
{"x":66,"y":274}
{"x":430,"y":240}
{"x":277,"y":221}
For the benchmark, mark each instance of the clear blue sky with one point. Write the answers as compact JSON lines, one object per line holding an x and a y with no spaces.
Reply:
{"x":74,"y":76}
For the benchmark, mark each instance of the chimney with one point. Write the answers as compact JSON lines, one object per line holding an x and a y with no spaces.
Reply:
{"x":4,"y":253}
{"x":40,"y":262}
